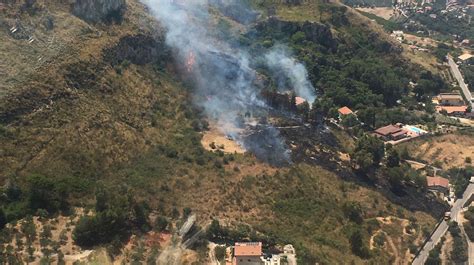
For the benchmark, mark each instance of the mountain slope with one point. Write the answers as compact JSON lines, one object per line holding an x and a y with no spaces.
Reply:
{"x":107,"y":105}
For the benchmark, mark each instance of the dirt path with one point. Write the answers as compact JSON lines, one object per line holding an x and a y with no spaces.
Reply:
{"x":78,"y":257}
{"x":399,"y":257}
{"x":212,"y":254}
{"x":394,"y":250}
{"x":371,"y":241}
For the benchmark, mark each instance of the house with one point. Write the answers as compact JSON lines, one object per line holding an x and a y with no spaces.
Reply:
{"x":391,"y":133}
{"x":398,"y":33}
{"x":248,"y":253}
{"x":465,"y":42}
{"x":299,"y":100}
{"x":452,"y":110}
{"x":450,"y":99}
{"x":466,"y":58}
{"x":439,"y":184}
{"x":344,"y":111}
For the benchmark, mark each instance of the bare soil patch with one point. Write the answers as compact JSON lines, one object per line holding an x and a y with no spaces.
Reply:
{"x":215,"y":139}
{"x":420,"y":41}
{"x":383,"y":12}
{"x":450,"y":150}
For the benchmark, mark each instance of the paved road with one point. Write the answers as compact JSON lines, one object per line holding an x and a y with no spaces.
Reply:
{"x":443,"y":227}
{"x":457,"y":74}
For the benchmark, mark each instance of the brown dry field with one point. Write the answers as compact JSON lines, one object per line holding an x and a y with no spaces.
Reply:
{"x":420,"y":41}
{"x":383,"y":12}
{"x":214,"y":135}
{"x":451,"y":149}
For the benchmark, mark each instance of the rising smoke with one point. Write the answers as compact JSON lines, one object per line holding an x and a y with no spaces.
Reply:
{"x":290,"y":74}
{"x":225,"y":84}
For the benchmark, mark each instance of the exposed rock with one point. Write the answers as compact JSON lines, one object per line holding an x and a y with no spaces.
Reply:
{"x":95,"y":11}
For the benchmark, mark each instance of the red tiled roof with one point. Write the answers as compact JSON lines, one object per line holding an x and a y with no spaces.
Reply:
{"x":299,"y":100}
{"x":437,"y":181}
{"x":400,"y":133}
{"x":248,"y":249}
{"x":345,"y":111}
{"x":451,"y":109}
{"x":387,"y":130}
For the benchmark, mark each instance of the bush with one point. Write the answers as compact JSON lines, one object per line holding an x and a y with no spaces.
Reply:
{"x":358,"y":246}
{"x":47,"y":193}
{"x":353,"y":211}
{"x":220,"y":252}
{"x":161,"y":223}
{"x":459,"y":251}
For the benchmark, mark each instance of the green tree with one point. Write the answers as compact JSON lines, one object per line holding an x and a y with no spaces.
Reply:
{"x":353,"y":211}
{"x":349,"y":121}
{"x":368,"y":152}
{"x":393,"y":158}
{"x":3,"y":219}
{"x":47,"y":193}
{"x":358,"y":246}
{"x":396,"y":177}
{"x":161,"y":223}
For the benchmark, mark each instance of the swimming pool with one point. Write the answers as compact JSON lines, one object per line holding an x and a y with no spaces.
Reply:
{"x":415,"y":129}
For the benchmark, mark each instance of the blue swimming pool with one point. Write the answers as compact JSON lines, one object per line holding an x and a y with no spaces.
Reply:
{"x":414,"y":129}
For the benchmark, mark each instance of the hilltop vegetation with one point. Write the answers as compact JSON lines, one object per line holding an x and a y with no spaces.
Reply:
{"x":110,"y":111}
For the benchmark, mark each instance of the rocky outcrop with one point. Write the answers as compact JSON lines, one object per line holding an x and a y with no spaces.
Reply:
{"x":95,"y":11}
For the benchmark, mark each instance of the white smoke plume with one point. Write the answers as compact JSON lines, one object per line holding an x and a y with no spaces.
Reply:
{"x":285,"y":69}
{"x":225,"y":84}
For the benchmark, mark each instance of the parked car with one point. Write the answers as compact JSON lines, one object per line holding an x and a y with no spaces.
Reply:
{"x":447,"y":215}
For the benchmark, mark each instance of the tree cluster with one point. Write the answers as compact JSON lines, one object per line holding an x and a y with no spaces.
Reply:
{"x":116,"y":214}
{"x":368,"y":153}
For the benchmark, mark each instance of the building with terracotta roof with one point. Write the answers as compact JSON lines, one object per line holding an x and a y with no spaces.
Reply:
{"x":391,"y":133}
{"x":450,"y":99}
{"x":437,"y":184}
{"x":248,"y":253}
{"x":299,"y":100}
{"x":345,"y":111}
{"x":452,"y":110}
{"x":466,"y":58}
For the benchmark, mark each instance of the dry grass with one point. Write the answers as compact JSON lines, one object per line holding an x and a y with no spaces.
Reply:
{"x":214,"y":139}
{"x":383,"y":12}
{"x":109,"y":136}
{"x":450,"y":150}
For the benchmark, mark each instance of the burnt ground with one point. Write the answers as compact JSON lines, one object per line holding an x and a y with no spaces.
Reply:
{"x":291,"y":141}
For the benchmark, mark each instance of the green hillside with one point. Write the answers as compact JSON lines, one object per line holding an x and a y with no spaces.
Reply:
{"x":106,"y":121}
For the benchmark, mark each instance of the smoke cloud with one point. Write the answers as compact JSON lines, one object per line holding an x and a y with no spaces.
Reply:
{"x":290,"y":74}
{"x":225,"y":84}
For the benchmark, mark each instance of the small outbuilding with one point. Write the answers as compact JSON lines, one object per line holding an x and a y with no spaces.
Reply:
{"x":344,"y":111}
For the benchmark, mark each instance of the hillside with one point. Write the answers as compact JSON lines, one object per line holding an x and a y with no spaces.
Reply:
{"x":104,"y":112}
